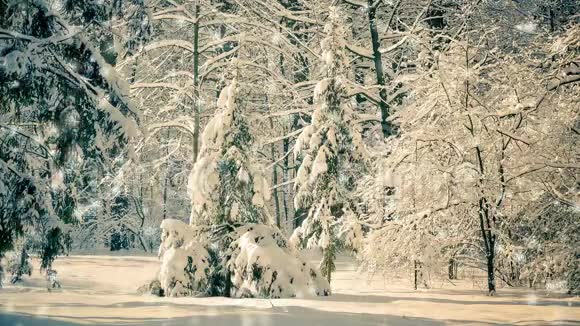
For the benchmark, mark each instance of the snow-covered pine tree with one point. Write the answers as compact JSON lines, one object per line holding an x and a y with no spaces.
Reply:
{"x":331,"y":149}
{"x":225,"y":186}
{"x":231,"y":246}
{"x":61,"y":103}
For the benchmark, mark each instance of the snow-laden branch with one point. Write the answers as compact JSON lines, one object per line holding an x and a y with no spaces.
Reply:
{"x":175,"y":17}
{"x":277,"y":139}
{"x":280,"y":159}
{"x":156,"y":85}
{"x":285,"y":113}
{"x":360,"y":51}
{"x":356,"y":3}
{"x":9,"y":167}
{"x":54,"y":39}
{"x":514,"y":137}
{"x":289,"y":182}
{"x":364,"y":92}
{"x":182,"y":44}
{"x":563,"y":81}
{"x":394,"y":46}
{"x":171,"y":124}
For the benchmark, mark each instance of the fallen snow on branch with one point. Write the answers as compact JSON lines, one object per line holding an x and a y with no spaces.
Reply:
{"x":264,"y":265}
{"x":185,"y":262}
{"x":259,"y":260}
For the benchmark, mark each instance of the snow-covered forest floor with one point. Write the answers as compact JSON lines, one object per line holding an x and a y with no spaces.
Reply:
{"x":103,"y":289}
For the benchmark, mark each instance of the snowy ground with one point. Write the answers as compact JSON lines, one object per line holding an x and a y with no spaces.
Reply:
{"x":102,"y":289}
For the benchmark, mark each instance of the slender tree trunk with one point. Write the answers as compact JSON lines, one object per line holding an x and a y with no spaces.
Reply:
{"x":552,"y":23}
{"x":484,"y":213}
{"x":378,"y":61}
{"x":286,"y":145}
{"x":23,"y":260}
{"x":228,"y":285}
{"x":416,"y":281}
{"x":166,"y":181}
{"x":486,"y":231}
{"x":490,"y":273}
{"x":359,"y":73}
{"x":452,"y":269}
{"x":329,"y":270}
{"x":299,"y":73}
{"x":196,"y":84}
{"x":139,"y":210}
{"x":275,"y":177}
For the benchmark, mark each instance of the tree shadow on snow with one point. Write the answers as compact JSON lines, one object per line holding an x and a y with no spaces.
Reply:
{"x":286,"y":314}
{"x":278,"y":316}
{"x":495,"y":301}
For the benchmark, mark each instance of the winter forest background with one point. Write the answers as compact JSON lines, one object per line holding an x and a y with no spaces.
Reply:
{"x":426,"y":138}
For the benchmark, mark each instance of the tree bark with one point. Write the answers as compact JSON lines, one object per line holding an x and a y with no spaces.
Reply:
{"x":490,"y":273}
{"x":166,"y":181}
{"x":487,"y":235}
{"x":416,"y":281}
{"x":329,"y":270}
{"x":378,"y":61}
{"x":196,"y":84}
{"x":286,"y":145}
{"x":452,"y":269}
{"x":275,"y":178}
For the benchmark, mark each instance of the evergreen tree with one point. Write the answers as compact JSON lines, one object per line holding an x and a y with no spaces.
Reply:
{"x":226,"y":187}
{"x":231,"y":247}
{"x":331,"y":149}
{"x":61,"y":100}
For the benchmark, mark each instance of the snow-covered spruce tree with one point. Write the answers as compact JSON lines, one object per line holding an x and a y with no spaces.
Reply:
{"x":331,"y":149}
{"x":231,"y":247}
{"x":61,"y":100}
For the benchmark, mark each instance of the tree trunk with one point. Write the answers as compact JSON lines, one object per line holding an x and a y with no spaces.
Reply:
{"x":165,"y":197}
{"x":286,"y":145}
{"x":378,"y":61}
{"x":275,"y":178}
{"x":490,"y":273}
{"x":489,"y":241}
{"x":329,"y":270}
{"x":286,"y":142}
{"x":196,"y":84}
{"x":416,"y":281}
{"x":552,"y":23}
{"x":228,"y":285}
{"x":166,"y":181}
{"x":452,"y":269}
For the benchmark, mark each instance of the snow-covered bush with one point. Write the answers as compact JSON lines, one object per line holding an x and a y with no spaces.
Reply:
{"x":185,"y":262}
{"x":260,"y":264}
{"x":184,"y":270}
{"x":264,"y":265}
{"x":175,"y":234}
